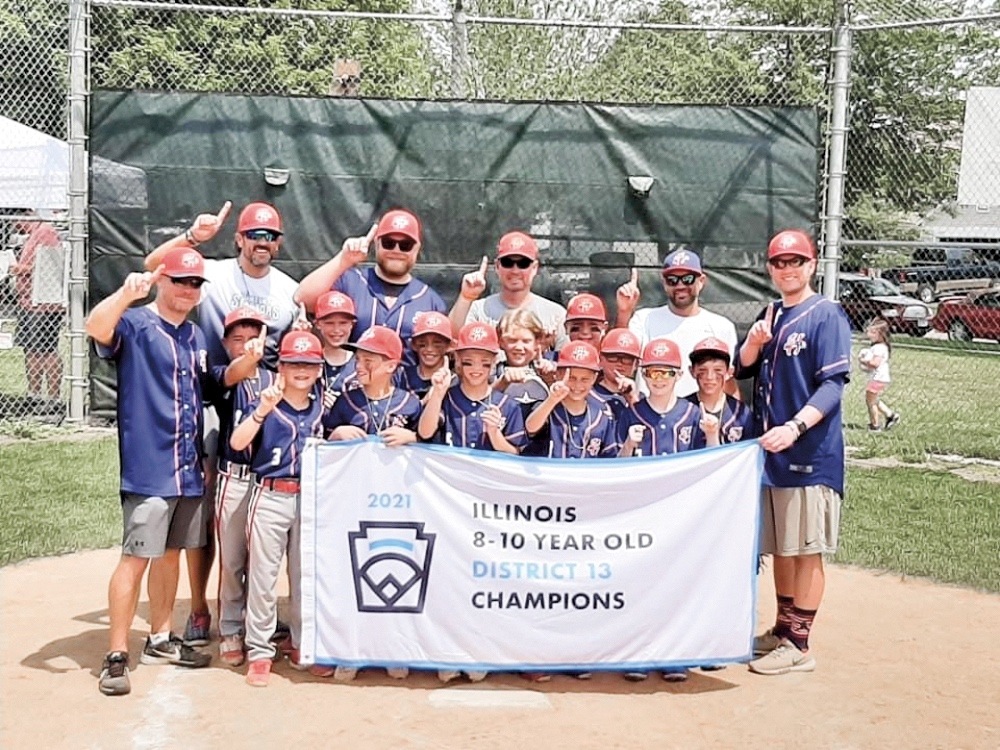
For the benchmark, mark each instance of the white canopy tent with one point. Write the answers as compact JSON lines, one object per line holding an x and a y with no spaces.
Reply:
{"x":34,"y":173}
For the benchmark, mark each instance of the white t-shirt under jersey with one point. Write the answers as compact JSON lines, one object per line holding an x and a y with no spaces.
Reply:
{"x":229,"y":287}
{"x":661,"y":322}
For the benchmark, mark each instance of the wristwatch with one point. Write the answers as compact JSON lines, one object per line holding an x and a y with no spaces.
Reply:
{"x":798,"y":424}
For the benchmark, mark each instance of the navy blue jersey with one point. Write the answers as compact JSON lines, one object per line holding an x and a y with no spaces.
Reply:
{"x":735,"y":422}
{"x":233,"y":404}
{"x":399,"y":409}
{"x":615,"y":401}
{"x":811,"y":344}
{"x":368,"y":292}
{"x":408,"y":378}
{"x":463,"y":421}
{"x":672,"y":432}
{"x":588,"y":435}
{"x":278,"y":446}
{"x":528,"y":394}
{"x":162,"y":377}
{"x":337,"y":379}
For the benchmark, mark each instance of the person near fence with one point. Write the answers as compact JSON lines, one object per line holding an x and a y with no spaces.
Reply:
{"x":799,"y":353}
{"x":162,"y":367}
{"x":247,"y":280}
{"x":276,"y":427}
{"x":517,"y":264}
{"x":874,"y":361}
{"x":40,"y":284}
{"x":682,"y":319}
{"x":386,"y":294}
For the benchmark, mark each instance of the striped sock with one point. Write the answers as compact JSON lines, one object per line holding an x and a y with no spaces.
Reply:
{"x":783,"y":622}
{"x":802,"y":622}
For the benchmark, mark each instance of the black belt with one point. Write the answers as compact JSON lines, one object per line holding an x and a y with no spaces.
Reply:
{"x":235,"y":470}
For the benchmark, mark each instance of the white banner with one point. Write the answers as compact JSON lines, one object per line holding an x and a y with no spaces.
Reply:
{"x":434,"y":557}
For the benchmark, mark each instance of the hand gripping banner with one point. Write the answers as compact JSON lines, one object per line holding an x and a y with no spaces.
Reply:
{"x":433,"y":557}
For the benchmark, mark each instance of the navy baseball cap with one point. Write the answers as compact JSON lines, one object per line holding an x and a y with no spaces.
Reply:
{"x":682,"y":261}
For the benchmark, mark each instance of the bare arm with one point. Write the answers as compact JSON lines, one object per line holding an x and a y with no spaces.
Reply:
{"x":104,"y":317}
{"x":204,"y":228}
{"x":321,"y":281}
{"x":473,"y":285}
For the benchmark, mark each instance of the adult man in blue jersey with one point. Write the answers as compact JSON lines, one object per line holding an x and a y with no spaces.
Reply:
{"x":799,"y":352}
{"x":162,"y":366}
{"x":386,"y":294}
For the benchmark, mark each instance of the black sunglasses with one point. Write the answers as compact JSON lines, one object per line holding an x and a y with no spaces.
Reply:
{"x":405,"y":245}
{"x":193,"y":282}
{"x":797,"y":262}
{"x":687,"y":279}
{"x":520,"y":261}
{"x":256,"y":235}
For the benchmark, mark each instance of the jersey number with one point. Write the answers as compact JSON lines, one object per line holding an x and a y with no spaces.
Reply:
{"x":276,"y":457}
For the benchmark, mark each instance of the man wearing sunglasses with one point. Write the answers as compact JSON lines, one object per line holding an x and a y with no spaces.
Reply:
{"x":516,"y":268}
{"x":386,"y":294}
{"x":682,"y":320}
{"x":799,"y":353}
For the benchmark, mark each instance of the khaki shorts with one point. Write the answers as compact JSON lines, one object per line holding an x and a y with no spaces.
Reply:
{"x":800,"y":521}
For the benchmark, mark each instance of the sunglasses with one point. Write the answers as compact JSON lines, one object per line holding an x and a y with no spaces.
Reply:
{"x":687,"y":279}
{"x":797,"y":262}
{"x":660,"y":373}
{"x":261,"y":235}
{"x":520,"y":262}
{"x":404,"y":245}
{"x":192,"y":282}
{"x":619,"y":359}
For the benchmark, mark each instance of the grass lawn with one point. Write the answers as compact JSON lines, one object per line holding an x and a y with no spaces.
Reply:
{"x":949,"y":402}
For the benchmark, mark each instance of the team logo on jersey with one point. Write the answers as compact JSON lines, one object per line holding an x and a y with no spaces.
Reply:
{"x":684,"y":435}
{"x":400,"y":222}
{"x":594,"y":447}
{"x":189,"y":260}
{"x":734,"y":434}
{"x":391,"y":563}
{"x":795,"y":344}
{"x":681,"y":258}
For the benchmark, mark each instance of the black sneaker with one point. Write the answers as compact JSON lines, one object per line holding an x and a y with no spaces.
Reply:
{"x":892,"y":421}
{"x":114,"y":674}
{"x":174,"y":652}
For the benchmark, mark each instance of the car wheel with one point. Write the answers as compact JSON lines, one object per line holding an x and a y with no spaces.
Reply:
{"x":925,"y":293}
{"x":958,"y":331}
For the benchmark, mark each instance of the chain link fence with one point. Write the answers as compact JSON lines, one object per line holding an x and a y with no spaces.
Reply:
{"x":920,"y":187}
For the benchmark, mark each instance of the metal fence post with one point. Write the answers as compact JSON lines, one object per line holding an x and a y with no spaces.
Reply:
{"x":79,"y":13}
{"x":459,"y":52}
{"x":837,"y":161}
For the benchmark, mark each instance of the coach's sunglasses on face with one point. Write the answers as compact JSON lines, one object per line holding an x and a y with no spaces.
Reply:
{"x":192,"y":282}
{"x":795,"y":262}
{"x":687,"y":279}
{"x":655,"y":374}
{"x":519,"y":261}
{"x":404,"y":245}
{"x":261,"y":235}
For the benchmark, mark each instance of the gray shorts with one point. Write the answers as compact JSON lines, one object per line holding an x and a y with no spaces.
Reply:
{"x":155,"y":524}
{"x":800,"y":521}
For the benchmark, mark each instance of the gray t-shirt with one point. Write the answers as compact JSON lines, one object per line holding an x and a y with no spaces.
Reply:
{"x":552,"y":314}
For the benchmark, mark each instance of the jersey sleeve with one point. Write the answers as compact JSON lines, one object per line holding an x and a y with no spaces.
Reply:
{"x":411,"y":411}
{"x":625,"y":420}
{"x":338,"y":415}
{"x":513,"y":428}
{"x":749,"y":371}
{"x":833,"y":349}
{"x":610,"y":445}
{"x":124,"y":330}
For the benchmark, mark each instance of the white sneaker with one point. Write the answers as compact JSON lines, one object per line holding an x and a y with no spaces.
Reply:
{"x":447,"y":675}
{"x":398,"y":673}
{"x":765,"y":643}
{"x":345,"y":674}
{"x":476,"y":676}
{"x":785,"y":658}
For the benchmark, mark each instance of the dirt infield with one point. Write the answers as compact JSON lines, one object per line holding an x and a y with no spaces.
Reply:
{"x":901,"y":664}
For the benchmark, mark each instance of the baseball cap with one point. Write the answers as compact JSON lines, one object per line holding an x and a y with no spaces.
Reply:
{"x":517,"y":243}
{"x":242,"y":315}
{"x":259,"y":215}
{"x":682,"y":261}
{"x":791,"y":242}
{"x":586,"y":306}
{"x":334,"y":302}
{"x":478,"y":336}
{"x":431,"y":322}
{"x":399,"y":221}
{"x":621,"y":341}
{"x":709,"y":348}
{"x":579,"y":354}
{"x":379,"y":340}
{"x":300,"y":347}
{"x":662,"y":353}
{"x":183,"y":263}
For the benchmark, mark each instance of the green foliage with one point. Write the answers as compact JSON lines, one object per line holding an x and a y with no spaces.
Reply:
{"x":35,"y":71}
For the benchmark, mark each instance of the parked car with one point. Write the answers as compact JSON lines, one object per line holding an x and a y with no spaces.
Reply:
{"x":937,"y":271}
{"x":975,"y":316}
{"x":865,"y":298}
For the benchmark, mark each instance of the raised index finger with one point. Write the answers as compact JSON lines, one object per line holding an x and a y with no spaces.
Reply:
{"x":263,"y":333}
{"x":371,"y":235}
{"x":484,"y":265}
{"x":769,"y":315}
{"x":634,"y":277}
{"x":157,"y":274}
{"x":224,"y":212}
{"x":279,"y":382}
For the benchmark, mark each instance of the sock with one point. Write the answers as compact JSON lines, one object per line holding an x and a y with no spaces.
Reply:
{"x":783,"y":622}
{"x":802,"y":622}
{"x":158,"y":639}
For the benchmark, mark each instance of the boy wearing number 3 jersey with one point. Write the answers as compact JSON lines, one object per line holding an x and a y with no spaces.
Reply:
{"x":277,"y":426}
